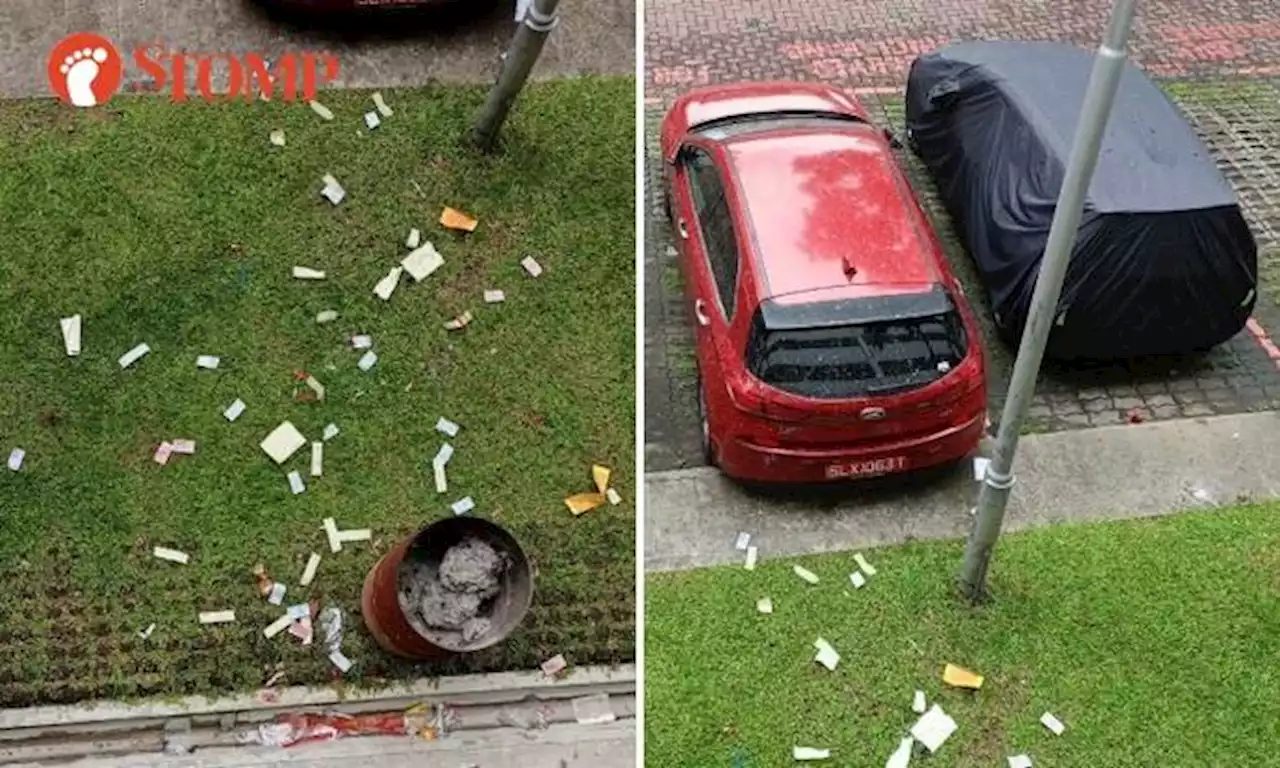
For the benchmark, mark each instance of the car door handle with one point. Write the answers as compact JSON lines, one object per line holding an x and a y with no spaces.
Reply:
{"x":700,"y":312}
{"x":684,"y":230}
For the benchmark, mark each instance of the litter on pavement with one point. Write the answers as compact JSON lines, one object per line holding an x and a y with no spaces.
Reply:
{"x":933,"y":728}
{"x":368,"y":360}
{"x":805,"y":574}
{"x":15,"y":459}
{"x":764,"y":605}
{"x":133,"y":355}
{"x":451,"y":218}
{"x":217,"y":617}
{"x":918,"y":704}
{"x":317,"y":459}
{"x":309,"y":572}
{"x":463,"y":506}
{"x":387,"y":285}
{"x":283,"y":442}
{"x":295,"y":483}
{"x":330,"y":431}
{"x":381,"y":104}
{"x":593,"y":710}
{"x":307,"y":273}
{"x":1020,"y":761}
{"x":494,"y":297}
{"x":744,"y":541}
{"x":827,"y":655}
{"x":804,"y":754}
{"x":321,"y":110}
{"x":863,"y":564}
{"x":208,"y":362}
{"x":71,"y":334}
{"x":752,"y":554}
{"x":234,"y":410}
{"x":413,"y":240}
{"x":554,"y":665}
{"x":531,"y":266}
{"x":447,"y":427}
{"x":959,"y":677}
{"x":980,"y":466}
{"x":901,"y":757}
{"x":1053,"y":724}
{"x":172,"y":555}
{"x":858,"y":579}
{"x":422,"y":262}
{"x":277,"y":137}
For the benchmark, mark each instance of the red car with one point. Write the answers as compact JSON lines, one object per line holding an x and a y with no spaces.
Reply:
{"x":833,"y":341}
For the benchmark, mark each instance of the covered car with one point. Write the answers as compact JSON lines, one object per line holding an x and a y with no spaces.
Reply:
{"x":1164,"y":262}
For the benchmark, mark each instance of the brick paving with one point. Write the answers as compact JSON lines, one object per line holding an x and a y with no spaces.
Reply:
{"x":1219,"y":62}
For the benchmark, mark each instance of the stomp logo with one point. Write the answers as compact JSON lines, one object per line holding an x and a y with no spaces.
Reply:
{"x":86,"y":70}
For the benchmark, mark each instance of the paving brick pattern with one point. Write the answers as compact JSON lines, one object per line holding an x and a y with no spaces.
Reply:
{"x":1218,"y":62}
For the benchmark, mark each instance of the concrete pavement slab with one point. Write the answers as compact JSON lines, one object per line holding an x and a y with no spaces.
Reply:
{"x":692,"y":517}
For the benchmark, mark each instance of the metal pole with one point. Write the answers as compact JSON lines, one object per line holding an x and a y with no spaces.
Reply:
{"x":1108,"y":65}
{"x":538,"y":21}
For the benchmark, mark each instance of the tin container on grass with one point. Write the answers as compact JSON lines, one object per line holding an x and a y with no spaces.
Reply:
{"x":460,"y":585}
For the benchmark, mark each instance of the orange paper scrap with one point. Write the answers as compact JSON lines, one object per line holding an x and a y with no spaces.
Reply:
{"x":584,"y":502}
{"x":455,"y":219}
{"x":960,"y":677}
{"x":601,"y":477}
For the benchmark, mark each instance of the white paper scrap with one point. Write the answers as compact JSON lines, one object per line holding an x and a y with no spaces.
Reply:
{"x":744,"y":541}
{"x":283,"y":442}
{"x":531,"y":266}
{"x":299,"y":612}
{"x":764,"y":605}
{"x":613,"y":496}
{"x":133,"y":355}
{"x":443,"y":455}
{"x":827,"y":655}
{"x":752,"y":554}
{"x":276,"y":596}
{"x":234,"y":410}
{"x":309,"y":573}
{"x":463,"y":506}
{"x":980,"y":466}
{"x":15,"y":459}
{"x":277,"y":137}
{"x":184,"y":447}
{"x":422,"y":262}
{"x":315,"y":386}
{"x":208,"y":362}
{"x":805,"y":574}
{"x":321,"y":110}
{"x":295,"y":483}
{"x":593,"y":710}
{"x":442,"y":482}
{"x":355,"y":534}
{"x":918,"y":704}
{"x":805,"y":754}
{"x":332,"y":190}
{"x":933,"y":728}
{"x":1053,"y":724}
{"x":494,"y":297}
{"x":372,"y":120}
{"x":146,"y":633}
{"x":387,"y":285}
{"x":413,"y":240}
{"x":339,"y":660}
{"x":1020,"y":761}
{"x":331,"y":530}
{"x":369,"y":360}
{"x":217,"y":617}
{"x":277,"y":626}
{"x":361,"y":341}
{"x":858,"y":579}
{"x":307,"y":273}
{"x":330,"y":432}
{"x":447,"y":427}
{"x":326,"y":316}
{"x":901,"y":757}
{"x":381,"y":104}
{"x":863,"y":564}
{"x":172,"y":555}
{"x":317,"y":459}
{"x":71,"y":334}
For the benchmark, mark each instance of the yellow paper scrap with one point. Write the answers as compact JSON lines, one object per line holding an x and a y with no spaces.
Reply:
{"x":960,"y":677}
{"x":601,"y":476}
{"x":455,"y":219}
{"x":584,"y":502}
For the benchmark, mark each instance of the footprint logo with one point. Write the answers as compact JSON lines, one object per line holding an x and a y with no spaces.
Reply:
{"x":85,"y":69}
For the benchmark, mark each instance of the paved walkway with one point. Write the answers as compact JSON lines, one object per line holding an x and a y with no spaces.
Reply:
{"x":593,"y":37}
{"x":692,"y":517}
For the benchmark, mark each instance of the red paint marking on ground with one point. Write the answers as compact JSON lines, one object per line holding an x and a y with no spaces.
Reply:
{"x":1261,"y":30}
{"x":1260,"y":335}
{"x":872,"y":90}
{"x":682,"y":75}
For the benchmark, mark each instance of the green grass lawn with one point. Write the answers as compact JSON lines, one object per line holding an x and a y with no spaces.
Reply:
{"x":178,"y":226}
{"x":1154,"y":641}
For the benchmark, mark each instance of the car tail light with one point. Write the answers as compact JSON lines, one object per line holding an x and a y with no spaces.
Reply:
{"x":749,"y":397}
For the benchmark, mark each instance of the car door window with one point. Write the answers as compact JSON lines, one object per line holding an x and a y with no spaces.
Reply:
{"x":714,"y":221}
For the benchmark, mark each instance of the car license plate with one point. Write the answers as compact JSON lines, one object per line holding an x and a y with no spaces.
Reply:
{"x":866,"y":468}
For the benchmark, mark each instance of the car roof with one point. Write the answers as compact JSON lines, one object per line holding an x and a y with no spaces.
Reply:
{"x":818,"y":199}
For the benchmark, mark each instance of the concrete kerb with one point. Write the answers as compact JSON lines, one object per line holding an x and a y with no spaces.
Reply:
{"x":461,"y":691}
{"x":692,"y":517}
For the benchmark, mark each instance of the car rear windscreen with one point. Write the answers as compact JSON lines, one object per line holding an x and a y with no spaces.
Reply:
{"x":810,"y":352}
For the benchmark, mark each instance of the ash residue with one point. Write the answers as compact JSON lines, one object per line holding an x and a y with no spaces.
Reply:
{"x":454,"y":598}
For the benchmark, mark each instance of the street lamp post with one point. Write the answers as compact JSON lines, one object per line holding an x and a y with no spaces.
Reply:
{"x":537,"y":22}
{"x":993,"y":497}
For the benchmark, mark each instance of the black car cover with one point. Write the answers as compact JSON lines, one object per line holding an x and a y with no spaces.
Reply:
{"x":1164,"y":262}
